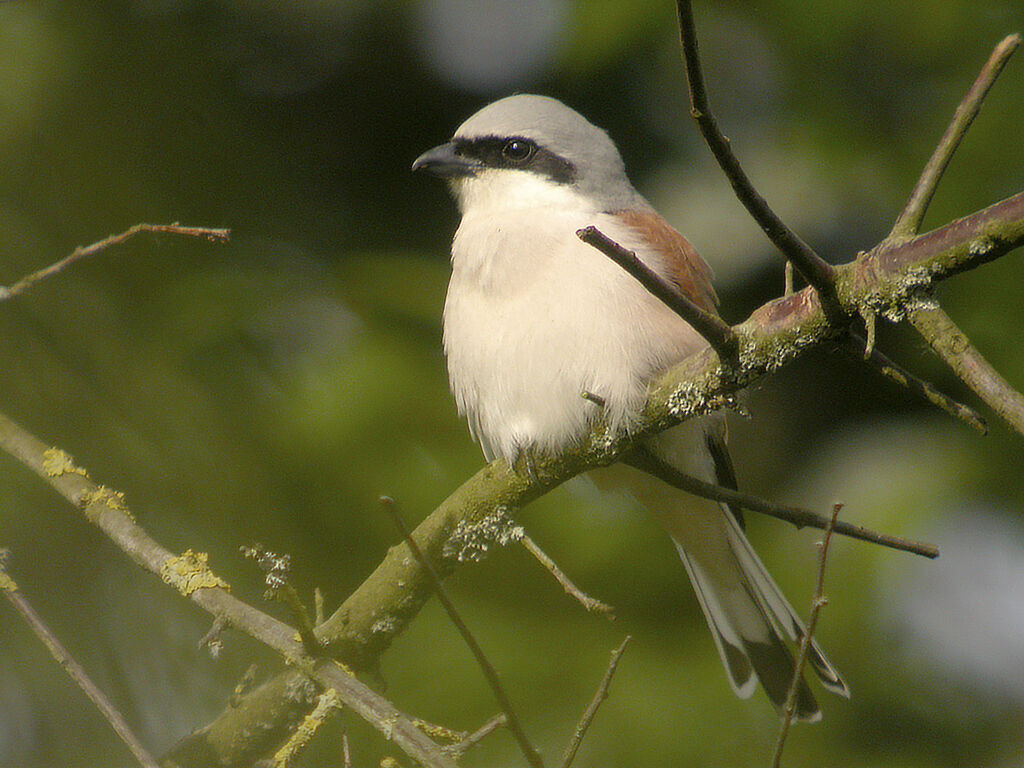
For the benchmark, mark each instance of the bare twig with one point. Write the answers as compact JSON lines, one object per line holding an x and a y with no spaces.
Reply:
{"x":871,"y":327}
{"x":528,"y":750}
{"x":715,"y":331}
{"x":648,"y":462}
{"x":213,"y":235}
{"x":815,"y":270}
{"x":346,"y":753}
{"x":591,"y":711}
{"x":460,"y":748}
{"x":909,"y":221}
{"x":211,"y":640}
{"x":75,"y":671}
{"x":318,"y":606}
{"x":817,"y":603}
{"x":950,"y":343}
{"x":302,"y":621}
{"x":855,"y":346}
{"x":588,"y":602}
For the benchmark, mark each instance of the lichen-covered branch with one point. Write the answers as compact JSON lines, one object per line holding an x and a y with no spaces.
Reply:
{"x":950,"y":343}
{"x":190,"y":575}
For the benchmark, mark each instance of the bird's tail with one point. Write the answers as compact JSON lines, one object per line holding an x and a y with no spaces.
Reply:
{"x":749,"y":617}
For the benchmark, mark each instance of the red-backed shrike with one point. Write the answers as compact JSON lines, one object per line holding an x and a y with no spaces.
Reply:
{"x":534,"y":318}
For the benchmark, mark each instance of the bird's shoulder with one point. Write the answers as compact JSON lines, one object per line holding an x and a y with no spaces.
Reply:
{"x":682,"y":265}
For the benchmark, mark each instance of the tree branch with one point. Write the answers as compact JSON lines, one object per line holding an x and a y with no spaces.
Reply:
{"x":595,"y":703}
{"x":74,"y":670}
{"x":189,"y":574}
{"x":589,"y":603}
{"x":855,"y":347}
{"x":715,"y":331}
{"x":950,"y":343}
{"x":909,"y":221}
{"x":817,"y":603}
{"x":461,"y":747}
{"x":646,"y":461}
{"x":815,"y":270}
{"x":22,"y":285}
{"x":527,"y":748}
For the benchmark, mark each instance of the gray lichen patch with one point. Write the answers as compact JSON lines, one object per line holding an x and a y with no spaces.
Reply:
{"x":904,"y":295}
{"x":470,"y":541}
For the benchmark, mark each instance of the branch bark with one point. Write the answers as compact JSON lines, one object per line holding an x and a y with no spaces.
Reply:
{"x":950,"y":343}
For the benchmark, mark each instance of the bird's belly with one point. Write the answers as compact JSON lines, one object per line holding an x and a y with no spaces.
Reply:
{"x":519,"y":367}
{"x":533,"y":323}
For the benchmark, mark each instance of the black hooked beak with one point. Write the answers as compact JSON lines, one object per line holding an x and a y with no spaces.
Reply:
{"x":443,"y":161}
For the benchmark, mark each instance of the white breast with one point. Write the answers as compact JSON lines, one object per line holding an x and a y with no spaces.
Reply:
{"x":534,"y":317}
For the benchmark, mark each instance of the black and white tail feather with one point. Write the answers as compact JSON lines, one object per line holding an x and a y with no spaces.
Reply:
{"x":750,"y":625}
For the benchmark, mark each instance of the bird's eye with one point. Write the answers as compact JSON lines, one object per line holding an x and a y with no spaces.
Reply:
{"x":518,"y":150}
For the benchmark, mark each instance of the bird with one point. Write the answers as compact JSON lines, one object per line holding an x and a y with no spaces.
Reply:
{"x":544,"y":336}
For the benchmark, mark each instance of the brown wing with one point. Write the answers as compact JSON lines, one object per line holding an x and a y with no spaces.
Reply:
{"x":686,"y":269}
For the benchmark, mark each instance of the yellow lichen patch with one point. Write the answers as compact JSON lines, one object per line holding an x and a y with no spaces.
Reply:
{"x":344,"y":669}
{"x":107,"y":497}
{"x":189,"y":572}
{"x":390,"y":762}
{"x":439,"y":731}
{"x":7,"y":583}
{"x":327,"y":703}
{"x":56,"y":463}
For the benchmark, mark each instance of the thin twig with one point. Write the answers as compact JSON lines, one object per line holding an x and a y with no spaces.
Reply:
{"x":815,"y":270}
{"x":591,"y":711}
{"x":75,"y":671}
{"x":303,"y":623}
{"x":648,"y":462}
{"x":817,"y":603}
{"x":211,"y":640}
{"x":970,"y":366}
{"x":715,"y":331}
{"x":909,"y":221}
{"x":588,"y":602}
{"x":318,"y":606}
{"x":528,"y":750}
{"x":855,"y":346}
{"x":485,"y":730}
{"x":871,"y":327}
{"x":213,"y":235}
{"x":346,"y":753}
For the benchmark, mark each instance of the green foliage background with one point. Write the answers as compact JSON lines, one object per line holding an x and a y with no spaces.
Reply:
{"x":270,"y":390}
